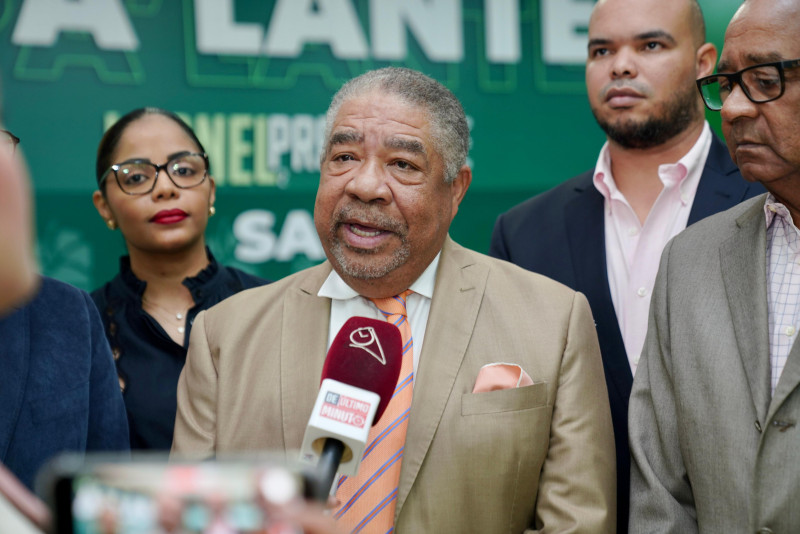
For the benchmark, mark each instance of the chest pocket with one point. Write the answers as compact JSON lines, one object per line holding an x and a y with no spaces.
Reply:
{"x":504,"y":400}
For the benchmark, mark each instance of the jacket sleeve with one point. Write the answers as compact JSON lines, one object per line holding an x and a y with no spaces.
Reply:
{"x":577,"y":488}
{"x":195,"y":422}
{"x":108,"y":422}
{"x":497,"y":248}
{"x":661,"y":497}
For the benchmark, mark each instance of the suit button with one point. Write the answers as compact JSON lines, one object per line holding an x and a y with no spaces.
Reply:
{"x":758,"y":426}
{"x":764,"y":530}
{"x":783,"y":425}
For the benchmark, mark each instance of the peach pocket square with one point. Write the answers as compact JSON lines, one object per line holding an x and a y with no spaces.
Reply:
{"x":494,"y":376}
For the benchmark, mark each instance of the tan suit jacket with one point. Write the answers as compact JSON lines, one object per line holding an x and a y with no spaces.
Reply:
{"x":533,"y":459}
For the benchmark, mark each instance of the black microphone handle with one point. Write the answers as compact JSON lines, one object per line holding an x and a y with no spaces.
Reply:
{"x":327,"y":466}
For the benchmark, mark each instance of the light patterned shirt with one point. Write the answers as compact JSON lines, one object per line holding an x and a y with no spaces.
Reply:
{"x":783,"y":284}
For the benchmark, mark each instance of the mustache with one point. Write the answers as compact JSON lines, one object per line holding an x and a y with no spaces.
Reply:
{"x":740,"y":131}
{"x":369,"y":215}
{"x":626,"y":84}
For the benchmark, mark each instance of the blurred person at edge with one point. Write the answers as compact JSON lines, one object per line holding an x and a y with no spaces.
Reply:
{"x":18,"y":278}
{"x":154,"y":186}
{"x":58,"y":390}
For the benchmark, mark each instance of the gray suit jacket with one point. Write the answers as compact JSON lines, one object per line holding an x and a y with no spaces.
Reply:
{"x":712,"y":450}
{"x":538,"y":458}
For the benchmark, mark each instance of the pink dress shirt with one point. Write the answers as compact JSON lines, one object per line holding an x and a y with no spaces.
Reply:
{"x":633,"y":250}
{"x":783,"y":284}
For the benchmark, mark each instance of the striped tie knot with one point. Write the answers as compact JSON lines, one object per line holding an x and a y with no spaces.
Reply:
{"x":393,"y":305}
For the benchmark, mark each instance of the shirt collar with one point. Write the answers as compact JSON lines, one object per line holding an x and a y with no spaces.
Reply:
{"x":337,"y":289}
{"x":602,"y":179}
{"x":669,"y":173}
{"x":206,"y":277}
{"x":773,"y":209}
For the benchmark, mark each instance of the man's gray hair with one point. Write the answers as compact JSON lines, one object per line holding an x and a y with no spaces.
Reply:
{"x":444,"y":112}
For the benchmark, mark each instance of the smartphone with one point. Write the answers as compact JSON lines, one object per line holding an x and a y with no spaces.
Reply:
{"x":149,"y":495}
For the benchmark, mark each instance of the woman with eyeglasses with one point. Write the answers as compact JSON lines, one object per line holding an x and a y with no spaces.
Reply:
{"x":154,"y":186}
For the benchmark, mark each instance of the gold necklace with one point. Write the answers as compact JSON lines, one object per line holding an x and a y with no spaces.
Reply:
{"x":179,"y":316}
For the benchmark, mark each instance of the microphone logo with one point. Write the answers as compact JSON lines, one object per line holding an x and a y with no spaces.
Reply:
{"x":365,"y":338}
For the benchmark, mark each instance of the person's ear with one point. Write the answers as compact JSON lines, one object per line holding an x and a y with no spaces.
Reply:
{"x":706,"y":60}
{"x":459,"y":188}
{"x":102,"y":207}
{"x":212,"y":195}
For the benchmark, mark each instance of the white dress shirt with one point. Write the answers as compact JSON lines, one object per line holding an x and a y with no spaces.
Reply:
{"x":346,"y":303}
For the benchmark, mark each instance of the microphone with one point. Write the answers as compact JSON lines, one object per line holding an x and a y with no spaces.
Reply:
{"x":358,"y":380}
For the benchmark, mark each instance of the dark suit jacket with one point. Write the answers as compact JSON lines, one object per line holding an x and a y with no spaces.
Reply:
{"x":58,"y":387}
{"x":561,"y":234}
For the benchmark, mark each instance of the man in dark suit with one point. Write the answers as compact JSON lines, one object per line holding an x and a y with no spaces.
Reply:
{"x":661,"y":169}
{"x":58,"y":385}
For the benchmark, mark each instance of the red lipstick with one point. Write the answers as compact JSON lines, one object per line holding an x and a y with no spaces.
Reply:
{"x":169,"y":216}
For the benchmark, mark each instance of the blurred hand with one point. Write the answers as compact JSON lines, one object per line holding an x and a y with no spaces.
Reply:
{"x":306,"y":517}
{"x":286,"y":511}
{"x":23,"y":500}
{"x":18,"y":276}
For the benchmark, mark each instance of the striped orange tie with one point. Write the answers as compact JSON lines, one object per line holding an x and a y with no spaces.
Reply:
{"x":369,"y":499}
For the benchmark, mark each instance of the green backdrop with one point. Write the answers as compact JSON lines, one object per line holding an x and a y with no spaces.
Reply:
{"x":254,"y":78}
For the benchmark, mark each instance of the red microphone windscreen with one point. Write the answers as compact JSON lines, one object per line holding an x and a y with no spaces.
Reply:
{"x":367,"y":354}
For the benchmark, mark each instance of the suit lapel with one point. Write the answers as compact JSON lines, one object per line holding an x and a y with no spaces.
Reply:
{"x":15,"y":356}
{"x":743,"y":262}
{"x":720,"y":185}
{"x":304,"y":338}
{"x":585,"y":225}
{"x":459,"y":289}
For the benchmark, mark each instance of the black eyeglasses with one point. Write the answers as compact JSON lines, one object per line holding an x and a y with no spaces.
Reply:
{"x":138,"y":177}
{"x":760,"y":83}
{"x":9,"y":140}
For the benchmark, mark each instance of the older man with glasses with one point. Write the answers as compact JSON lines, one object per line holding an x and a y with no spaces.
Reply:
{"x":715,"y":408}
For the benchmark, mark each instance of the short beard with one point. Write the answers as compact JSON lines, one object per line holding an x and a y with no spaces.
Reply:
{"x":672,"y":118}
{"x":366,"y":269}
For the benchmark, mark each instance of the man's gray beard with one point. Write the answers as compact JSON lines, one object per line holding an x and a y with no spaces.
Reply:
{"x":366,"y":270}
{"x":676,"y":115}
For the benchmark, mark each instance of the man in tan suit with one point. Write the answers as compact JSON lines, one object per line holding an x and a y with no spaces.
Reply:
{"x":538,"y":458}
